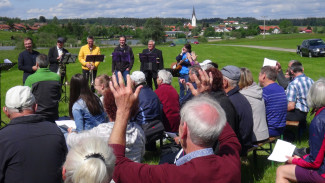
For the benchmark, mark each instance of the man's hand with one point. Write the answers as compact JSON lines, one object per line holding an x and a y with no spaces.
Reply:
{"x":124,"y":100}
{"x":204,"y":84}
{"x":278,"y":67}
{"x":127,"y":69}
{"x":88,"y":65}
{"x":34,"y":68}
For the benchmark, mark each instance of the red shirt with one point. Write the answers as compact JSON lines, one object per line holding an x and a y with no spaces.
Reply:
{"x":224,"y":167}
{"x":169,"y":98}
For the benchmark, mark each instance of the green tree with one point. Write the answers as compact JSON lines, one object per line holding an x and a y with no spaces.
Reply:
{"x":286,"y":26}
{"x":55,"y":20}
{"x":153,"y":29}
{"x":209,"y":32}
{"x":42,"y":19}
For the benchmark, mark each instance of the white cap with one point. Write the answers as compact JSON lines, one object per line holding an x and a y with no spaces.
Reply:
{"x":138,"y":77}
{"x":19,"y":97}
{"x":204,"y":65}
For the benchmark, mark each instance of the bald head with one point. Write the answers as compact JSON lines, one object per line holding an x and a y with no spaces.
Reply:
{"x":205,"y":120}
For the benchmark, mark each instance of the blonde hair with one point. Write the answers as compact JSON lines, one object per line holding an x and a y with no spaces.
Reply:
{"x":246,"y":78}
{"x":90,"y":160}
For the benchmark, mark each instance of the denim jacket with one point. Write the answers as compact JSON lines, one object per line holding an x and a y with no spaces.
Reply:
{"x":84,"y":119}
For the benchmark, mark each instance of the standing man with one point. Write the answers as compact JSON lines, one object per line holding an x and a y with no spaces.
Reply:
{"x":297,"y":95}
{"x":56,"y":53}
{"x":32,"y":149}
{"x":150,"y":69}
{"x":27,"y":59}
{"x":89,"y":49}
{"x":125,"y":64}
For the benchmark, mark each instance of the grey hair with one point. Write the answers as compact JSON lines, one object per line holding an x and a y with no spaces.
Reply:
{"x":194,"y":69}
{"x":269,"y":72}
{"x":82,"y":169}
{"x":204,"y":126}
{"x":231,"y":82}
{"x":42,"y":61}
{"x":316,"y":94}
{"x":165,"y":76}
{"x":154,"y":43}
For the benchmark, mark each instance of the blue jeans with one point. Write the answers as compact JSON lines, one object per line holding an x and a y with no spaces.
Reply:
{"x":124,"y":73}
{"x":181,"y":86}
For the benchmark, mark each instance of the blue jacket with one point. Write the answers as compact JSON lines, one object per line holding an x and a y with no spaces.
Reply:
{"x":244,"y":111}
{"x":185,"y":64}
{"x":316,"y":136}
{"x":84,"y":119}
{"x":150,"y":107}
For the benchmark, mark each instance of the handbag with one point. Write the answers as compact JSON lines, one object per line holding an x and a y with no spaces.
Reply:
{"x":153,"y":130}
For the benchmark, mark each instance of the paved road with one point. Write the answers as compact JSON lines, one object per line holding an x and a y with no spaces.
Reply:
{"x":260,"y":47}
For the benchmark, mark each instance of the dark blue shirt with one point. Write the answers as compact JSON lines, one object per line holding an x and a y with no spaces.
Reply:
{"x":26,"y":61}
{"x":244,"y":111}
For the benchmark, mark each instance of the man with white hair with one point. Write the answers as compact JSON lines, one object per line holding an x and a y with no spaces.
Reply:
{"x":32,"y":149}
{"x":150,"y":108}
{"x":151,"y":67}
{"x":203,"y":122}
{"x":169,"y":98}
{"x":231,"y":76}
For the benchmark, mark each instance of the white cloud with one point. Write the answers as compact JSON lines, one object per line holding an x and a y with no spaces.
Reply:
{"x":5,"y":3}
{"x":273,"y":9}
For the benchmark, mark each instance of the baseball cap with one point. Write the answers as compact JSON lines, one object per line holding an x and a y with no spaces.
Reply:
{"x":231,"y":72}
{"x":19,"y":97}
{"x":61,"y":39}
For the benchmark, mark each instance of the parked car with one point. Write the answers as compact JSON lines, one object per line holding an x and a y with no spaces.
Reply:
{"x":311,"y":48}
{"x":172,"y":44}
{"x":196,"y":42}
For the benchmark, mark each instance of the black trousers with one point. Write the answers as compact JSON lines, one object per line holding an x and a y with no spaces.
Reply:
{"x":297,"y":115}
{"x":151,"y":75}
{"x":87,"y":74}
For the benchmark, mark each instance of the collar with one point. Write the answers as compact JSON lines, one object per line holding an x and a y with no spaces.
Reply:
{"x":33,"y":118}
{"x":59,"y":48}
{"x":233,"y":91}
{"x":301,"y":75}
{"x":319,"y":110}
{"x":43,"y":70}
{"x":194,"y":154}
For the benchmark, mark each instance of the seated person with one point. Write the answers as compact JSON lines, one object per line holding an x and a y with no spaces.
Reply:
{"x":254,"y":94}
{"x":135,"y":138}
{"x":198,"y":132}
{"x":46,"y":88}
{"x":90,"y":152}
{"x":85,"y":107}
{"x":150,"y":111}
{"x":275,"y":100}
{"x":168,"y":96}
{"x":310,"y":168}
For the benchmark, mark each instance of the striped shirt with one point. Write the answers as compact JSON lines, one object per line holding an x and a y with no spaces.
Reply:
{"x":297,"y":92}
{"x":275,"y":106}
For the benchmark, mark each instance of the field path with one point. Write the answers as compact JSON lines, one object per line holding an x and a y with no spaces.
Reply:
{"x":260,"y":47}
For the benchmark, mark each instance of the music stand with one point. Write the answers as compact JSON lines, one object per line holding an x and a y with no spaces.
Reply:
{"x":4,"y":67}
{"x":66,"y":59}
{"x":93,"y":59}
{"x":149,"y":61}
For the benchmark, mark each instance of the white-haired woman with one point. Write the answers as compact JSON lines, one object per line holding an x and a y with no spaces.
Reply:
{"x":311,"y":167}
{"x":91,"y":160}
{"x":169,"y":98}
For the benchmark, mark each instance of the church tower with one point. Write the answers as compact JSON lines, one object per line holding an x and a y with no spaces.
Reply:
{"x":193,"y":18}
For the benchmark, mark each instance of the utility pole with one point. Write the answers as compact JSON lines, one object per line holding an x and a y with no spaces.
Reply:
{"x":264,"y":26}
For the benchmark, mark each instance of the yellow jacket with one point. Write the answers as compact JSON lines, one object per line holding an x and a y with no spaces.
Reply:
{"x":84,"y":51}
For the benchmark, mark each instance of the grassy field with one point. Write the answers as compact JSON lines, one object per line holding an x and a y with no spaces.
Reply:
{"x":280,"y":40}
{"x":241,"y":57}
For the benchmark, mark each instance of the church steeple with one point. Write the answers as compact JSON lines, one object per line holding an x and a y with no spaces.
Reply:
{"x":193,"y":18}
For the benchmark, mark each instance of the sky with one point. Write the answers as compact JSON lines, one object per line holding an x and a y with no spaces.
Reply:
{"x":272,"y":9}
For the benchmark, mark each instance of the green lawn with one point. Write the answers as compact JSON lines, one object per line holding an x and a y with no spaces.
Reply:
{"x":280,"y":40}
{"x":241,"y":57}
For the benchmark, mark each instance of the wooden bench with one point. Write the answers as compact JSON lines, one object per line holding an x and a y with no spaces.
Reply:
{"x":296,"y":124}
{"x":259,"y":147}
